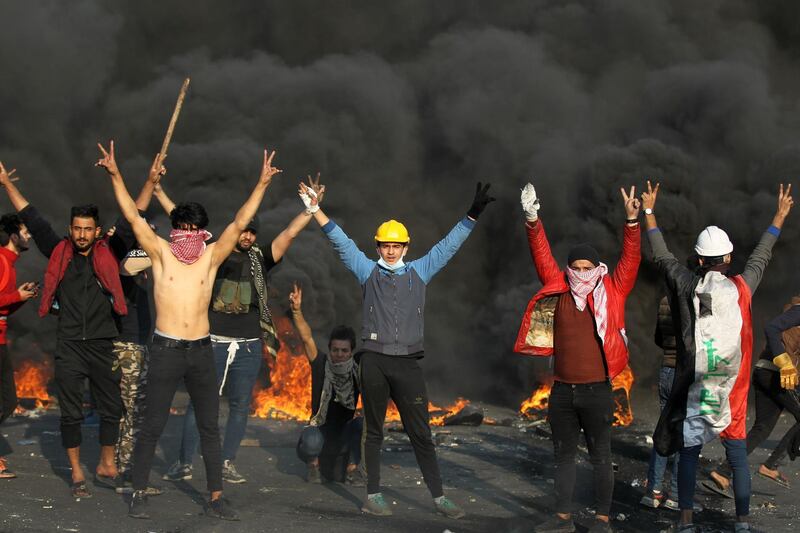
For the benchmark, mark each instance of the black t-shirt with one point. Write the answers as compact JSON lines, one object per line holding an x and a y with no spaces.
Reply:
{"x":137,"y":325}
{"x":337,"y":413}
{"x":242,"y":325}
{"x":84,"y":308}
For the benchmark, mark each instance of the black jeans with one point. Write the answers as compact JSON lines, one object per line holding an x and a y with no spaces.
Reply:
{"x":167,"y":367}
{"x":771,"y":400}
{"x":401,"y":379}
{"x":76,"y":361}
{"x":8,"y":394}
{"x":588,"y":407}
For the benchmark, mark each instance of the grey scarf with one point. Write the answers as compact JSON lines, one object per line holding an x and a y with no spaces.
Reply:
{"x":338,"y":386}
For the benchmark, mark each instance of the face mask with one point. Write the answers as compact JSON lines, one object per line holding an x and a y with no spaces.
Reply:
{"x":397,"y":266}
{"x":187,"y":245}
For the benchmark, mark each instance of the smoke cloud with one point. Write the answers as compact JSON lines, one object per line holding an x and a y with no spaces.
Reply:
{"x":402,"y":107}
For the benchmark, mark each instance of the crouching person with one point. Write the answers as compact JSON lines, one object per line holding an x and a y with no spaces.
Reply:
{"x":332,"y":432}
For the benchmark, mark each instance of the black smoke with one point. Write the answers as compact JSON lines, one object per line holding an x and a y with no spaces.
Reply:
{"x":403,"y":106}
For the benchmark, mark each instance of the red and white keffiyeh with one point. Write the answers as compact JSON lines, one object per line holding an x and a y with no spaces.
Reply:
{"x":591,"y":281}
{"x":188,"y":245}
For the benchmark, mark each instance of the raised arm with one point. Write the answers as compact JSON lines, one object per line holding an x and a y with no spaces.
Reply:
{"x":157,"y":170}
{"x":224,"y":246}
{"x":42,"y":232}
{"x":295,"y":302}
{"x":543,"y":260}
{"x":675,"y":273}
{"x":145,"y":235}
{"x":17,"y":200}
{"x":281,"y":243}
{"x":161,"y":195}
{"x":354,"y":259}
{"x":627,"y":268}
{"x":431,"y":263}
{"x":762,"y":253}
{"x":123,"y":239}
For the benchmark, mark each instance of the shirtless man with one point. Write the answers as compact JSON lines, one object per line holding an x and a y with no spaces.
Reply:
{"x":183,"y":275}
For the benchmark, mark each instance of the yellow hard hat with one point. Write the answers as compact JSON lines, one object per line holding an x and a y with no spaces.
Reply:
{"x":392,"y":231}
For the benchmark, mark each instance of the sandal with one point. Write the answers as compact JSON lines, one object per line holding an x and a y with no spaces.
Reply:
{"x":713,"y":487}
{"x":107,"y":482}
{"x":5,"y":473}
{"x":780,"y":479}
{"x":80,"y":490}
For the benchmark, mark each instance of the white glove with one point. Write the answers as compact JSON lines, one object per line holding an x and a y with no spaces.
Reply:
{"x":306,"y":197}
{"x":530,"y":204}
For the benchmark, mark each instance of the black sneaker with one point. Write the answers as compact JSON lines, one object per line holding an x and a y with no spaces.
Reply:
{"x":221,"y":509}
{"x":138,"y":506}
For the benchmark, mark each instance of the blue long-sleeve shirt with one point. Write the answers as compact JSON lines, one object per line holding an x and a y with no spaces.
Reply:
{"x":394,"y":300}
{"x":426,"y":266}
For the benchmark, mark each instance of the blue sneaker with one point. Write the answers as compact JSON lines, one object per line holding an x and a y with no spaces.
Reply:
{"x":376,"y":505}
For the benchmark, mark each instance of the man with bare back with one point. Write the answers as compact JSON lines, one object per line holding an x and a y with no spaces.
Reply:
{"x":184,"y":269}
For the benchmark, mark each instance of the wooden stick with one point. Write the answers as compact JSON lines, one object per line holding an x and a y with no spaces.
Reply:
{"x":168,"y":137}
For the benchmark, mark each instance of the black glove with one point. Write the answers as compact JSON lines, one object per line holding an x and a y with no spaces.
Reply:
{"x":480,"y":202}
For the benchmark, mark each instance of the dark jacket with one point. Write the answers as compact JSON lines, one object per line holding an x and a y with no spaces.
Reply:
{"x":665,"y":333}
{"x":783,"y":335}
{"x":89,"y":317}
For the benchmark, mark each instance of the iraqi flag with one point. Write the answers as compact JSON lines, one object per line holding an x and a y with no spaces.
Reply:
{"x":717,"y":400}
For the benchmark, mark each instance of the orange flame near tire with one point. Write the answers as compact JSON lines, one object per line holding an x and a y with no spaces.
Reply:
{"x":31,"y":380}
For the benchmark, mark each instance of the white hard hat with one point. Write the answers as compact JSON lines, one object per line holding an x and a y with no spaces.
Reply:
{"x":713,"y":242}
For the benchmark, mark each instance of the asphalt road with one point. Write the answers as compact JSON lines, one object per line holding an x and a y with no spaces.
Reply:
{"x":501,"y":475}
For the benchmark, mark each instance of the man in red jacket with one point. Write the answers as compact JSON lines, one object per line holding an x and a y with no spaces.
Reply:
{"x":14,"y":238}
{"x":578,"y":317}
{"x":82,"y":286}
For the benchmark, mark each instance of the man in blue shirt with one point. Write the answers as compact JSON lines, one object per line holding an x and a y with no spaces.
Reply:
{"x":392,"y":336}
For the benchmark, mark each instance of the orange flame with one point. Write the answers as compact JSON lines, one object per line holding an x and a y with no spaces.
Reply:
{"x":623,"y":414}
{"x":450,"y":410}
{"x":31,"y":379}
{"x":537,"y":402}
{"x":289,"y":396}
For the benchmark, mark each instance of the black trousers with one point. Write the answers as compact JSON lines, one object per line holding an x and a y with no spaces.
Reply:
{"x":167,"y":367}
{"x":771,"y":400}
{"x":76,"y":361}
{"x":8,"y":394}
{"x":588,"y":407}
{"x":401,"y":379}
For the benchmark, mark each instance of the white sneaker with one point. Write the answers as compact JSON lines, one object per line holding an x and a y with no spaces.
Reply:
{"x":230,"y":474}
